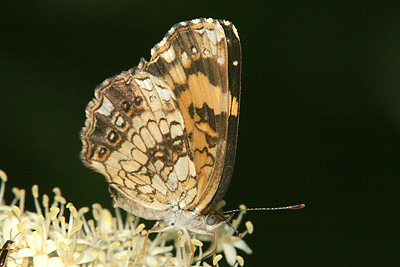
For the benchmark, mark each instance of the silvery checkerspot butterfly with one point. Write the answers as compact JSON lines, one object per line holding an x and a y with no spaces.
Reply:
{"x":164,"y":133}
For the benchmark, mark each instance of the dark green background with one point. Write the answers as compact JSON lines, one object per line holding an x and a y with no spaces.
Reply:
{"x":320,"y":113}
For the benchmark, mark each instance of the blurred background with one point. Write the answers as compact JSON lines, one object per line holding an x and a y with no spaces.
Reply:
{"x":319,"y":122}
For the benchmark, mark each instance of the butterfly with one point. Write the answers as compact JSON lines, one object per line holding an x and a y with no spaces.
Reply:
{"x":164,"y":133}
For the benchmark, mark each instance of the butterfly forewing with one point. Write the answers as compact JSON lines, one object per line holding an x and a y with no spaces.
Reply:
{"x":234,"y":61}
{"x":164,"y":134}
{"x":196,"y":59}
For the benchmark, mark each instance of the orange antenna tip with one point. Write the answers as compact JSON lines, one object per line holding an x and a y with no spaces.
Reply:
{"x":300,"y":206}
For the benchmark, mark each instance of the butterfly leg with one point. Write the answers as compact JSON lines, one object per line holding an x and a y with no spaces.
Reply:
{"x":191,"y":249}
{"x":214,"y":250}
{"x":147,"y":237}
{"x":209,"y":252}
{"x":153,"y":230}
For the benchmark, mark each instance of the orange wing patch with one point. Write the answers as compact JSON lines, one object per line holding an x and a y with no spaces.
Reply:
{"x":194,"y":60}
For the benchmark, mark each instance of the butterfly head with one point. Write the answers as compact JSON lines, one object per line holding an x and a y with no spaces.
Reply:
{"x":215,"y":219}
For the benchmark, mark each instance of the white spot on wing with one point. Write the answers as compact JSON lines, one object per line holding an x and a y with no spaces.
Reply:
{"x":196,"y":21}
{"x":221,"y":60}
{"x":120,"y":121}
{"x":182,"y":168}
{"x":164,"y":126}
{"x":106,"y":107}
{"x":176,"y":130}
{"x":164,"y":94}
{"x":171,"y":31}
{"x":200,"y":31}
{"x":210,"y":20}
{"x":211,"y":36}
{"x":185,"y":60}
{"x":169,"y":55}
{"x":145,"y":84}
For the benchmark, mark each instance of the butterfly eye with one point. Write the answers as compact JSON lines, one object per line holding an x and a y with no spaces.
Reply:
{"x":211,"y":219}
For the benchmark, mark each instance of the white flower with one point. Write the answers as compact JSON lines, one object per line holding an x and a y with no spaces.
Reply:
{"x":58,"y":234}
{"x":229,"y":241}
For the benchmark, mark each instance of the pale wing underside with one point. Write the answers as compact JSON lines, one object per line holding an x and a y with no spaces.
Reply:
{"x":165,"y":134}
{"x":135,"y":136}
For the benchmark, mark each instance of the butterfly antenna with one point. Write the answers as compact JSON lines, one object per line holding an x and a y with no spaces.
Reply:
{"x":292,"y":207}
{"x":227,"y":220}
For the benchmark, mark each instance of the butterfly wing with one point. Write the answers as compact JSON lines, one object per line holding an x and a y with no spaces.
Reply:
{"x":164,"y":134}
{"x":201,"y":62}
{"x":134,"y":136}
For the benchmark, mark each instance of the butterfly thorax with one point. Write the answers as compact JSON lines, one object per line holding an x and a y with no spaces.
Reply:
{"x":184,"y":219}
{"x":193,"y":221}
{"x":175,"y":216}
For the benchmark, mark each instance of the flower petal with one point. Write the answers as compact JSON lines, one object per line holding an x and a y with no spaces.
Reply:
{"x":230,"y":253}
{"x":240,"y":244}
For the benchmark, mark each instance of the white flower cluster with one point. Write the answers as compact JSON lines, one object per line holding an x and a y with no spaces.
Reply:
{"x":51,"y":236}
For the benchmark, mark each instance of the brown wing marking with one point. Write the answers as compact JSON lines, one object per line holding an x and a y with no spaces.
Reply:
{"x":193,"y":59}
{"x":138,"y":160}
